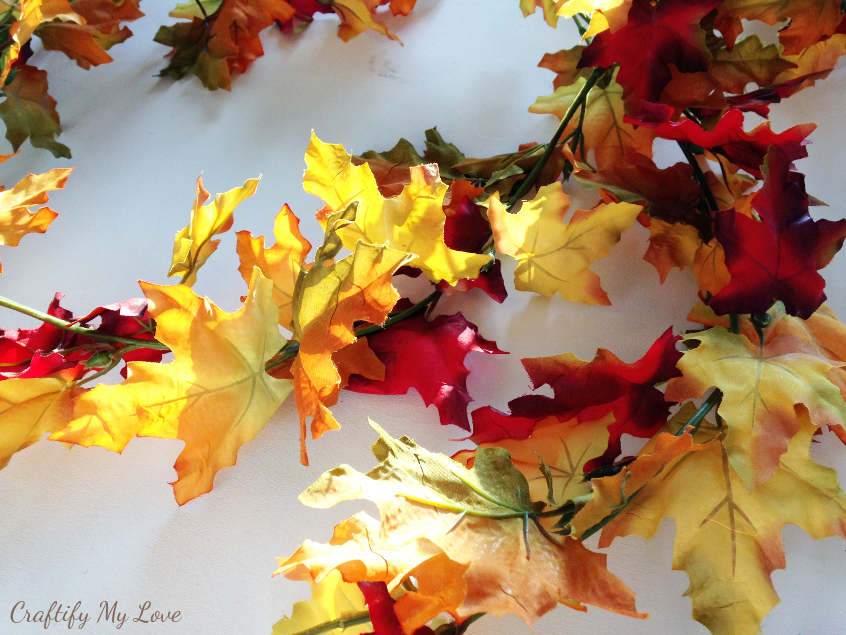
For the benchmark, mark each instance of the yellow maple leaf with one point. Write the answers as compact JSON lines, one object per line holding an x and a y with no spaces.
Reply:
{"x":281,"y":263}
{"x":412,"y":222}
{"x":605,"y":14}
{"x":16,"y":218}
{"x":31,"y":407}
{"x":765,"y":386}
{"x":554,"y":256}
{"x":605,"y":131}
{"x":431,"y":505}
{"x":728,"y":538}
{"x":330,"y":298}
{"x":215,"y":395}
{"x":332,"y":599}
{"x":193,"y":244}
{"x":671,"y":245}
{"x":822,"y":334}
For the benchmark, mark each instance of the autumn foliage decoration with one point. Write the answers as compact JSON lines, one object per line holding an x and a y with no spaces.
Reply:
{"x":732,"y":405}
{"x":219,"y":39}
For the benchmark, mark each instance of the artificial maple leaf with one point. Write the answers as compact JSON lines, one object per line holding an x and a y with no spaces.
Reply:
{"x":555,"y":256}
{"x":822,"y":335}
{"x":671,"y":194}
{"x":776,"y":258}
{"x":330,"y":298}
{"x":390,"y":168}
{"x":806,"y":21}
{"x":728,"y":538}
{"x":670,"y":245}
{"x":547,"y":6}
{"x":281,"y":263}
{"x":193,"y":244}
{"x":565,"y":65}
{"x":429,"y":357}
{"x":32,"y":407}
{"x":215,"y":395}
{"x":412,"y":222}
{"x":655,"y":36}
{"x":762,"y":386}
{"x":812,"y":64}
{"x":604,"y":128}
{"x":16,"y":215}
{"x":502,"y":172}
{"x":605,"y":14}
{"x":21,"y":21}
{"x":87,"y":40}
{"x":332,"y":599}
{"x":30,"y":113}
{"x":748,"y":61}
{"x":562,"y":446}
{"x":358,"y":16}
{"x":589,"y":391}
{"x":215,"y":44}
{"x":745,"y":149}
{"x":709,"y":268}
{"x":48,"y":348}
{"x":432,"y":505}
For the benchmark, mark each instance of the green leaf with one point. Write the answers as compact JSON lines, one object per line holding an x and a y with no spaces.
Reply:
{"x":494,"y":488}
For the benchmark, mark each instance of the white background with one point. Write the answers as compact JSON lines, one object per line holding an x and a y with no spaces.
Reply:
{"x":90,"y":525}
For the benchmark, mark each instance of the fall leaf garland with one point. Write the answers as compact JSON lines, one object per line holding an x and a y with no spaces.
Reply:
{"x":497,"y":529}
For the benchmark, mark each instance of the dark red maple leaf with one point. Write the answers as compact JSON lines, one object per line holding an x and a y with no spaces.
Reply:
{"x":589,"y":391}
{"x":657,"y":35}
{"x":776,"y":258}
{"x":745,"y":149}
{"x":429,"y":357}
{"x":48,"y":348}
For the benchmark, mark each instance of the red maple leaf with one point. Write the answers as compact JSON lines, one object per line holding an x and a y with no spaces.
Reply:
{"x":429,"y":357}
{"x":48,"y":348}
{"x":776,"y":258}
{"x":745,"y":149}
{"x":589,"y":391}
{"x":656,"y":35}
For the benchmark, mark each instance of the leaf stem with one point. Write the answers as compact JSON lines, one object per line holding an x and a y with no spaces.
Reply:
{"x":698,"y":416}
{"x":699,"y":175}
{"x":578,"y":103}
{"x":362,"y":617}
{"x":76,"y":328}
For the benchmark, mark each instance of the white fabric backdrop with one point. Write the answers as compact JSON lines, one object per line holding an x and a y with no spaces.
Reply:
{"x":90,"y":525}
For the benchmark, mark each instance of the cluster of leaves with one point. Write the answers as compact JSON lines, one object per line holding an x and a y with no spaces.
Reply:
{"x":500,"y":528}
{"x":84,"y":30}
{"x":221,"y":38}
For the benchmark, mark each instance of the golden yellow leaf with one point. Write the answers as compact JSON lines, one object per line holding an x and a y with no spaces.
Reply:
{"x":193,"y":244}
{"x":764,"y":386}
{"x":16,"y":218}
{"x":330,"y":297}
{"x":412,"y":222}
{"x":728,"y":538}
{"x":215,"y":395}
{"x":555,"y":256}
{"x":431,"y":505}
{"x":605,"y":131}
{"x":281,"y":263}
{"x":31,"y":407}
